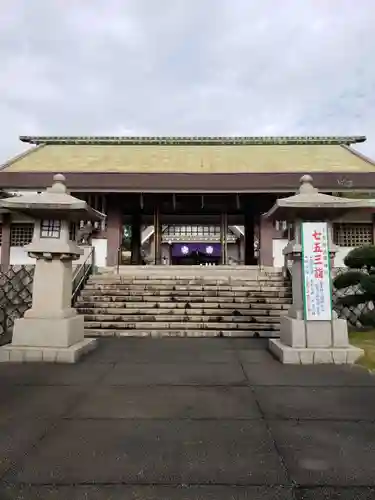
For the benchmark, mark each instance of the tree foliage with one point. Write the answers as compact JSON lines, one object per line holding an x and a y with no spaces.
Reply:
{"x":361,"y":258}
{"x":360,"y":274}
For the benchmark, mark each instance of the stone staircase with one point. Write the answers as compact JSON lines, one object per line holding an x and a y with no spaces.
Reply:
{"x":236,"y":301}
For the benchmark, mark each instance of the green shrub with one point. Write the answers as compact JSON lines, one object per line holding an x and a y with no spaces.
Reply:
{"x":349,"y":278}
{"x":361,"y":257}
{"x":361,"y":273}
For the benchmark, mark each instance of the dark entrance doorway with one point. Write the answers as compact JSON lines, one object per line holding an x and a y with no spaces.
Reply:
{"x":196,"y":259}
{"x":196,"y":254}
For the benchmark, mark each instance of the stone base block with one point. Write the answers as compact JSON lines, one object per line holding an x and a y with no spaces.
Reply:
{"x":42,"y":332}
{"x":298,"y":333}
{"x":292,"y":331}
{"x":319,"y":334}
{"x":314,"y":355}
{"x":22,"y":354}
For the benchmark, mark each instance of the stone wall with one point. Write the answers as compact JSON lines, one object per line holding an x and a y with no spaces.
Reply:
{"x":15,"y":295}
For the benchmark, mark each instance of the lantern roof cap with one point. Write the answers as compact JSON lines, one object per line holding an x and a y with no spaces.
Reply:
{"x":309,"y":204}
{"x":53,"y":203}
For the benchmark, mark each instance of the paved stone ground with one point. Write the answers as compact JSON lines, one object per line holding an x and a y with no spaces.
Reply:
{"x":193,"y":419}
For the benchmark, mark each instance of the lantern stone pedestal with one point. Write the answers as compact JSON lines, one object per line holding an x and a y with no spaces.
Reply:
{"x":304,"y":340}
{"x":310,"y":342}
{"x":51,"y":330}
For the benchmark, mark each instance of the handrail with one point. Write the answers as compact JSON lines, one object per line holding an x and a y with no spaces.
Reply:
{"x":287,"y":268}
{"x":76,"y":271}
{"x":82,"y":273}
{"x":118,"y":259}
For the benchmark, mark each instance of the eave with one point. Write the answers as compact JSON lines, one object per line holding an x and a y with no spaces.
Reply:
{"x":185,"y":183}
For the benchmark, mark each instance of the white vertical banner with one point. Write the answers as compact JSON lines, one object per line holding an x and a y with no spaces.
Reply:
{"x":317,"y":291}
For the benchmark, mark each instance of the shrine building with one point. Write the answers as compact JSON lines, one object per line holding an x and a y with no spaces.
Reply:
{"x":188,"y":200}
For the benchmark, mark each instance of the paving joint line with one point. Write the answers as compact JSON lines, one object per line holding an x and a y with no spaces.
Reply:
{"x":276,"y":447}
{"x":52,"y":423}
{"x":192,"y":484}
{"x":152,"y":484}
{"x":164,"y":419}
{"x":18,"y":462}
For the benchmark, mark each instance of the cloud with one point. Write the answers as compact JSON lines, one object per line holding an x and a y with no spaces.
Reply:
{"x":186,"y":67}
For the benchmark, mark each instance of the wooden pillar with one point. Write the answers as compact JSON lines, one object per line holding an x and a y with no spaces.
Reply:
{"x":239,"y":250}
{"x":266,"y":235}
{"x":136,"y":240}
{"x":250,"y":259}
{"x":224,"y":238}
{"x":114,"y":236}
{"x":331,"y":243}
{"x":170,"y":254}
{"x":5,"y":243}
{"x":157,"y":236}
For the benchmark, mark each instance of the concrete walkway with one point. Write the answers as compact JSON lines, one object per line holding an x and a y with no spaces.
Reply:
{"x":196,"y":419}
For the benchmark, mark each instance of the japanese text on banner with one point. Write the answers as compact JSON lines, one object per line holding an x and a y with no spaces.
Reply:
{"x":316,"y":271}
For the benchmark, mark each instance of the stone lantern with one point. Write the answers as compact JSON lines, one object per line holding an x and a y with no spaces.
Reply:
{"x":311,"y":331}
{"x":51,"y":330}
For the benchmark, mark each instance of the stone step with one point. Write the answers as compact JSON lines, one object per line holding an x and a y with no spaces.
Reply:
{"x":210,"y":278}
{"x":138,"y":267}
{"x":193,"y":318}
{"x":186,"y":281}
{"x":250,"y":302}
{"x":175,"y":325}
{"x":194,"y":270}
{"x":185,"y":288}
{"x":165,"y":301}
{"x":164,"y":284}
{"x":98,"y":332}
{"x":191,"y":311}
{"x":220,"y":296}
{"x":181,"y":293}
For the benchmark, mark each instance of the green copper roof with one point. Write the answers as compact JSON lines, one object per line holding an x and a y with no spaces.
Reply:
{"x":201,"y":141}
{"x":189,"y":158}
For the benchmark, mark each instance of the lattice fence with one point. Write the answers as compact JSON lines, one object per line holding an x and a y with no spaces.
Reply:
{"x":351,"y":314}
{"x":15,"y":295}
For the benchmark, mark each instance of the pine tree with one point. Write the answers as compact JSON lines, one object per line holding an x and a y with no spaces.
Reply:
{"x":361,"y":274}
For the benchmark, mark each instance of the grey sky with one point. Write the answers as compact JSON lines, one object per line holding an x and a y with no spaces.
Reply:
{"x":186,"y":67}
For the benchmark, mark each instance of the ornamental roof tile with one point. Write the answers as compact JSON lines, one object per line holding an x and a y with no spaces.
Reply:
{"x":173,"y":141}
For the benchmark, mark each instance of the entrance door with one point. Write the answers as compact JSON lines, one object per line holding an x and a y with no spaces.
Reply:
{"x":196,"y":259}
{"x":196,"y":253}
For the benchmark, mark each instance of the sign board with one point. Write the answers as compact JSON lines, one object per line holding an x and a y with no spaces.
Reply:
{"x":317,"y":290}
